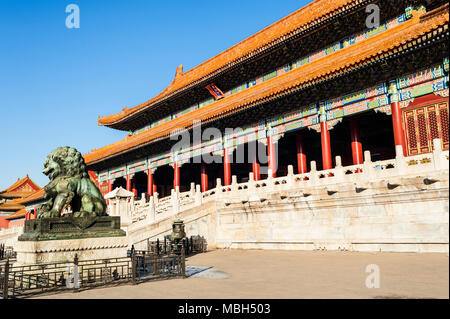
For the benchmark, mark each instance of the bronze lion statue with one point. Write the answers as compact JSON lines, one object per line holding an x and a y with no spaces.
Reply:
{"x":70,"y":185}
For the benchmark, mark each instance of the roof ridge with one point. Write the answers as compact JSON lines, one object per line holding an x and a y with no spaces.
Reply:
{"x":19,"y":183}
{"x":308,"y":14}
{"x":433,"y":13}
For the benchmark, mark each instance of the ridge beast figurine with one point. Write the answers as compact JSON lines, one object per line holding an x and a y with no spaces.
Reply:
{"x":70,"y":185}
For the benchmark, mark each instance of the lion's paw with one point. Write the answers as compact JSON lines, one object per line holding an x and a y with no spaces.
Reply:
{"x":82,"y":214}
{"x":50,"y":214}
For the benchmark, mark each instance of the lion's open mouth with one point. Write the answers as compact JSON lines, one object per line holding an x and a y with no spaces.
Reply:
{"x":48,"y":171}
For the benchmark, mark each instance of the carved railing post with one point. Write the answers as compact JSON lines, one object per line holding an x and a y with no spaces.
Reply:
{"x":175,"y":202}
{"x":290,"y":176}
{"x":367,"y":166}
{"x":234,"y":183}
{"x":400,"y":162}
{"x":437,"y":155}
{"x":251,"y":182}
{"x":218,"y":186}
{"x":313,"y":173}
{"x":269,"y":181}
{"x":198,"y":195}
{"x":339,"y":170}
{"x":129,"y":206}
{"x":151,"y":213}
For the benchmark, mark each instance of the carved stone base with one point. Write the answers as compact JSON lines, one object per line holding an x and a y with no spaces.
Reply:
{"x":71,"y":228}
{"x":53,"y":251}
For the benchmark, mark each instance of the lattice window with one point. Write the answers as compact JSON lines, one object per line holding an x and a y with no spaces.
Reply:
{"x":411,"y":133}
{"x":433,"y":122}
{"x":422,"y":130}
{"x":443,"y":114}
{"x":424,"y":124}
{"x":104,"y":188}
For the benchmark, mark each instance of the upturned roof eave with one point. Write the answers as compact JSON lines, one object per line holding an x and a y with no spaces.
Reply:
{"x":321,"y":10}
{"x":34,"y":197}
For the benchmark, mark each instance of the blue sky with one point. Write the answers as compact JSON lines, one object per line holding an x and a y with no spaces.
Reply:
{"x":55,"y":81}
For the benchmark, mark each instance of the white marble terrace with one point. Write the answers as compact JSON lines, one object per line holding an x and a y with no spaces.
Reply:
{"x":137,"y":214}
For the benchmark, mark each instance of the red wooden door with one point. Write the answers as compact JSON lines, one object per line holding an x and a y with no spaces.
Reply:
{"x":423,"y":124}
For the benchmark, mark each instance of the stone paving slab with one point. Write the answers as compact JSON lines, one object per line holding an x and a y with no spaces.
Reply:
{"x":254,"y":274}
{"x":207,"y":272}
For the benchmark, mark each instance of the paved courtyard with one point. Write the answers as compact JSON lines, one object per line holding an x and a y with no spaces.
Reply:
{"x":294,"y":274}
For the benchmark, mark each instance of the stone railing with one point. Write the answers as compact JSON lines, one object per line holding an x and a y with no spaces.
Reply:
{"x":156,"y":209}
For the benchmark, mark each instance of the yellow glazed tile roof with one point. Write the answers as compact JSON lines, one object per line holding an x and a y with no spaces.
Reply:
{"x":300,"y":19}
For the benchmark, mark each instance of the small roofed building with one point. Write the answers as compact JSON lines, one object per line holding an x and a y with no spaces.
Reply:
{"x":121,"y":203}
{"x":19,"y":202}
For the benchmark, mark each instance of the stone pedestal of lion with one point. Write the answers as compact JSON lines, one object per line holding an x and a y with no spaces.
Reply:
{"x":87,"y":232}
{"x":52,"y":240}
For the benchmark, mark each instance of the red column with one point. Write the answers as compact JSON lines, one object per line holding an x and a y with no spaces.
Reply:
{"x":226,"y":168}
{"x":256,"y":171}
{"x":35,"y":212}
{"x":255,"y":168}
{"x":128,"y":183}
{"x":110,"y":188}
{"x":272,"y":155}
{"x":357,"y":153}
{"x":176,"y":175}
{"x":326,"y":146}
{"x":204,"y":178}
{"x":399,"y":134}
{"x":150,"y":182}
{"x":134,"y":190}
{"x":301,"y":156}
{"x":155,"y":188}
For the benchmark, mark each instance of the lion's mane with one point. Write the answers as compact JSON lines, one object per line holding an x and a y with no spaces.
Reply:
{"x":71,"y":162}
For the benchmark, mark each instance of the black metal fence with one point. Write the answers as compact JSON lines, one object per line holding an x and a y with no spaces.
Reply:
{"x":192,"y":245}
{"x":6,"y":252}
{"x":36,"y":279}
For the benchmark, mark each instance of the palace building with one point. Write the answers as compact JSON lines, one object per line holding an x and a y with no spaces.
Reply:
{"x":316,"y":84}
{"x":15,"y":202}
